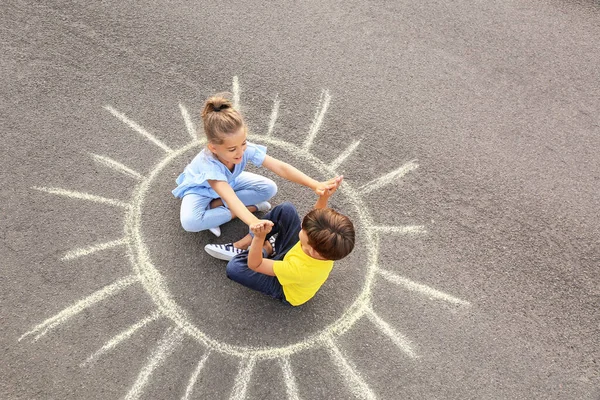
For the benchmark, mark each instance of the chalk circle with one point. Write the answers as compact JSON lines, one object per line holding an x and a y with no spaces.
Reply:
{"x":156,"y":287}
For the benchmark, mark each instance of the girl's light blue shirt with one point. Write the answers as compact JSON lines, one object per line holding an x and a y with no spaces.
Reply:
{"x":205,"y":166}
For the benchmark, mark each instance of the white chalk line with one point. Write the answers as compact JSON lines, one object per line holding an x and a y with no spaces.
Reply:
{"x":236,"y":92}
{"x":345,"y":154}
{"x":133,"y":125}
{"x":388,"y":178}
{"x":165,"y":347}
{"x":81,"y":305}
{"x":399,"y":340}
{"x":92,"y":249}
{"x":117,"y":166}
{"x":194,"y":377}
{"x":421,"y":288}
{"x":288,"y":376}
{"x":274,"y":113}
{"x":82,"y":196}
{"x":191,"y":128}
{"x":355,"y":382}
{"x":240,"y":387}
{"x":126,"y":334}
{"x":318,"y":118}
{"x":407,"y":229}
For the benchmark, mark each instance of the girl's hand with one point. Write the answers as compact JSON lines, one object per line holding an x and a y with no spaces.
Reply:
{"x":262,"y":227}
{"x":329,"y":187}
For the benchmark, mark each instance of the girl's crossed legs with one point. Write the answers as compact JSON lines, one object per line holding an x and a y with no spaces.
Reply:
{"x":196,"y":214}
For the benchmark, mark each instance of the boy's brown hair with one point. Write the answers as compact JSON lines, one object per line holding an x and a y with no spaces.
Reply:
{"x":330,"y":233}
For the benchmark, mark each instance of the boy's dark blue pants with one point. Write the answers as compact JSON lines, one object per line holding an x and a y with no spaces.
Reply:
{"x":287,"y":227}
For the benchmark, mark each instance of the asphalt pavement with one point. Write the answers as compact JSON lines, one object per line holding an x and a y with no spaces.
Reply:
{"x":468,"y":135}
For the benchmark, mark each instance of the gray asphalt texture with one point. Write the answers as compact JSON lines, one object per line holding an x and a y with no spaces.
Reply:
{"x":497,"y":102}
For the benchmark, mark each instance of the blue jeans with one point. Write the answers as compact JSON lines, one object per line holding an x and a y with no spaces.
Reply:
{"x":287,"y":225}
{"x":250,"y":188}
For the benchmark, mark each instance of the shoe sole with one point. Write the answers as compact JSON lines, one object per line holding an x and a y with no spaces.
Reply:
{"x":218,"y":254}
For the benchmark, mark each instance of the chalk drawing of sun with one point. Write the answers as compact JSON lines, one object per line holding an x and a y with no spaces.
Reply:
{"x":146,"y":274}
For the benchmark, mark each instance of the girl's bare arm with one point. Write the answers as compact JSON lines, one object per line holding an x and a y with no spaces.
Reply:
{"x":292,"y":174}
{"x":234,"y":204}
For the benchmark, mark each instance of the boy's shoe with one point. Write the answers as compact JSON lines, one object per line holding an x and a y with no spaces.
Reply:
{"x":222,"y":251}
{"x":215,"y":231}
{"x":272,"y":242}
{"x":263,"y":206}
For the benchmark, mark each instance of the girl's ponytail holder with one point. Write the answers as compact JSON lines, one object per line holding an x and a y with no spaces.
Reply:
{"x":220,"y":107}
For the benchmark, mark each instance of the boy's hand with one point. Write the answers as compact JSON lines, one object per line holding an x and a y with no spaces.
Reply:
{"x":332,"y":186}
{"x":329,"y":187}
{"x":262,"y":227}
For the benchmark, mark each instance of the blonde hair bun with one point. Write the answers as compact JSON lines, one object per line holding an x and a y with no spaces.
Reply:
{"x":220,"y":118}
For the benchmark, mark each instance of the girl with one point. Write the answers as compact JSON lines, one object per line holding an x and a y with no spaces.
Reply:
{"x":214,"y":186}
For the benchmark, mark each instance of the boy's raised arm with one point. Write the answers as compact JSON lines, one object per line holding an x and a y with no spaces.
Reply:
{"x":256,"y":262}
{"x":334,"y":184}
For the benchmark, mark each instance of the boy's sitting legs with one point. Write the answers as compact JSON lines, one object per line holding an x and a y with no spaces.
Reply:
{"x":286,"y":226}
{"x":238,"y":271}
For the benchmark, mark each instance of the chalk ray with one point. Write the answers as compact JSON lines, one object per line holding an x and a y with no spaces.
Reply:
{"x":236,"y":92}
{"x":274,"y":113}
{"x":134,"y":125}
{"x":355,"y":382}
{"x":82,"y":196}
{"x":194,"y":377}
{"x":118,"y":339}
{"x":399,"y":340}
{"x":240,"y":387}
{"x":318,"y":118}
{"x":290,"y":382}
{"x":165,"y":348}
{"x":406,"y":229}
{"x":117,"y":166}
{"x":107,"y":291}
{"x":345,"y":154}
{"x":93,"y":249}
{"x":421,"y":288}
{"x":388,"y":178}
{"x":189,"y":124}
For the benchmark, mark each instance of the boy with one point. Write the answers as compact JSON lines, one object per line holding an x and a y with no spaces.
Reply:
{"x":292,"y":267}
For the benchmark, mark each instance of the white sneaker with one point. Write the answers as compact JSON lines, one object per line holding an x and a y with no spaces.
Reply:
{"x":222,"y":251}
{"x":272,"y":240}
{"x":215,"y":231}
{"x":263,"y":206}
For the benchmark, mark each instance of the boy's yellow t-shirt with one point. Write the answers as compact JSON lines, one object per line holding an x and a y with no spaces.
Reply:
{"x":300,"y":275}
